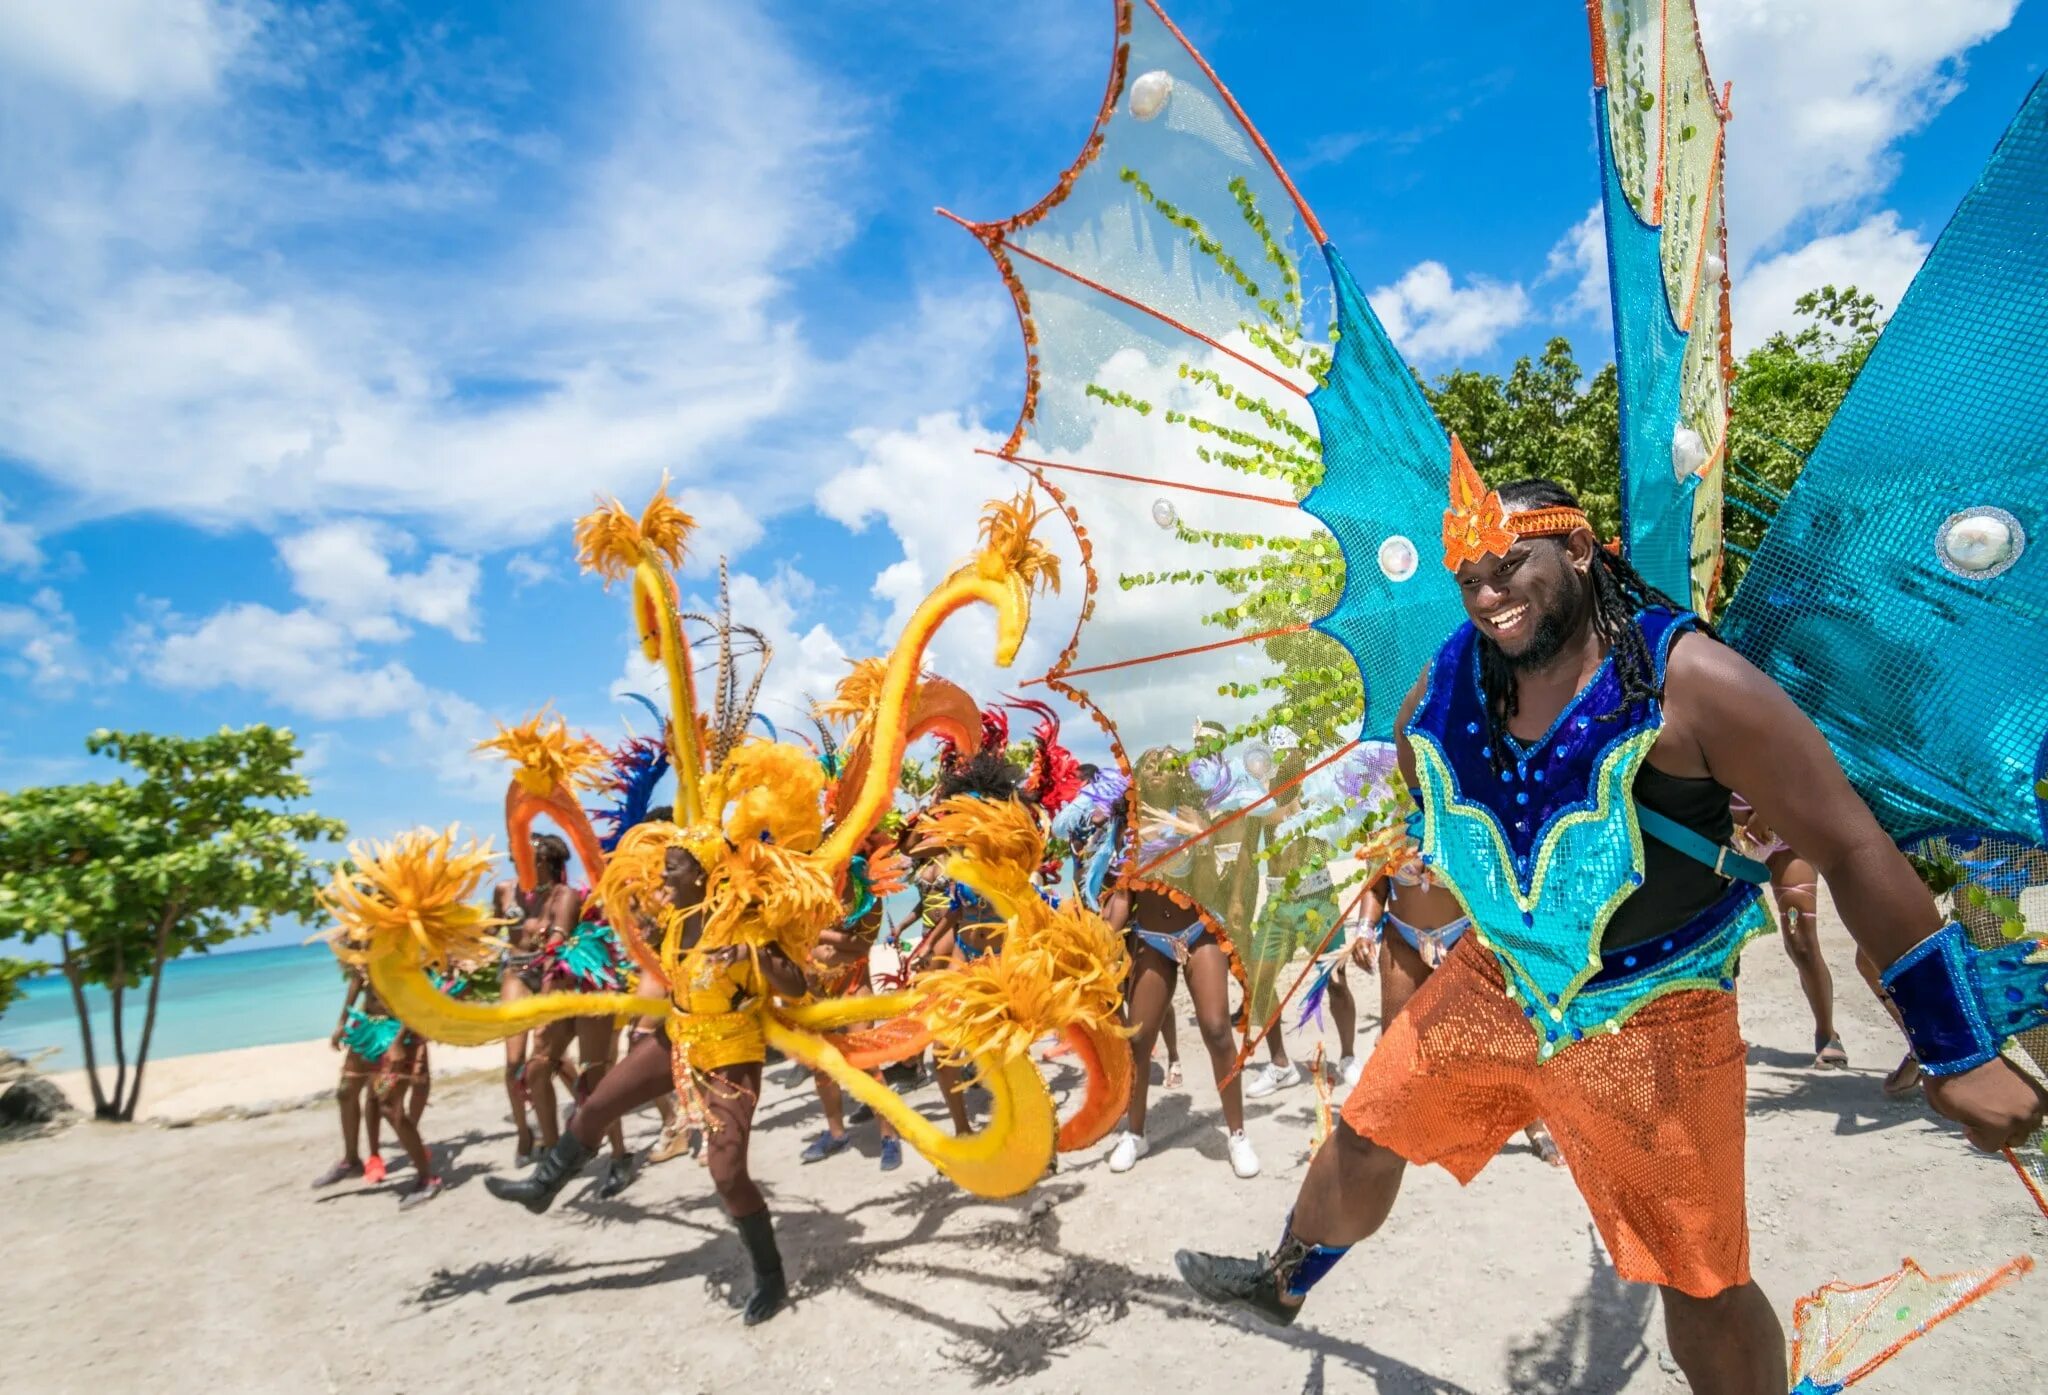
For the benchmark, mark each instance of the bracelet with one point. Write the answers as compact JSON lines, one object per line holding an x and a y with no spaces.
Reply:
{"x":1960,"y":1004}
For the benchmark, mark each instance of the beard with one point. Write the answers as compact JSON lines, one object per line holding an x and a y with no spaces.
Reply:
{"x":1553,"y":628}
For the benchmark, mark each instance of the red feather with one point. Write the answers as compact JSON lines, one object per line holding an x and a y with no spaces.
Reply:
{"x":1055,"y":774}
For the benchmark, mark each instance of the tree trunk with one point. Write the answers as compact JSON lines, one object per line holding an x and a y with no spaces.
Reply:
{"x":156,"y":981}
{"x":118,"y":988}
{"x":100,"y":1108}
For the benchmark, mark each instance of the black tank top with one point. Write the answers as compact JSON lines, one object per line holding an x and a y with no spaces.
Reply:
{"x":1675,"y":887}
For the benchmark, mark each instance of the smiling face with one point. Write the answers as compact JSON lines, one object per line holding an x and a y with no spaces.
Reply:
{"x":1531,"y":600}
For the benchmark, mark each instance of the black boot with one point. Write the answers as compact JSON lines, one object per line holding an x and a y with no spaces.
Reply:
{"x":771,"y":1292}
{"x":537,"y":1189}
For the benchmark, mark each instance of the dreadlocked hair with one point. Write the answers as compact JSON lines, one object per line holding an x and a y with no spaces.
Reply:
{"x":1620,"y":595}
{"x":989,"y":774}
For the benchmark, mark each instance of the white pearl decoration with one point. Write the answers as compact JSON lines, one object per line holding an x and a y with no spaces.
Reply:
{"x":1398,"y":558}
{"x":1688,"y":452}
{"x":1149,"y":93}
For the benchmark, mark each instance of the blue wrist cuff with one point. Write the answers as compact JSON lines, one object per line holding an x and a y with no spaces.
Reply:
{"x":1960,"y":1003}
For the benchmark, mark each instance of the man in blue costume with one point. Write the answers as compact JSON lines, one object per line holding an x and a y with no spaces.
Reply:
{"x":1572,"y":749}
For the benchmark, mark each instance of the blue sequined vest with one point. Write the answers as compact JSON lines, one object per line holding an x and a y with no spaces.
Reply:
{"x":1543,"y":848}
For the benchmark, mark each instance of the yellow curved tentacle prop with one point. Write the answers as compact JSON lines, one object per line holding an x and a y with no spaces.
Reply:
{"x":401,"y":981}
{"x":1009,"y":568}
{"x":1009,"y":1154}
{"x":407,"y":904}
{"x":662,"y":640}
{"x":615,"y":545}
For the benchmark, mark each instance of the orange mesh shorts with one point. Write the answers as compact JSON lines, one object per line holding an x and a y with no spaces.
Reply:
{"x":1649,"y":1119}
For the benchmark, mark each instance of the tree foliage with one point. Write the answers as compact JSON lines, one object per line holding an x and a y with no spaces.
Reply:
{"x":12,"y":972}
{"x":1546,"y":418}
{"x":126,"y":875}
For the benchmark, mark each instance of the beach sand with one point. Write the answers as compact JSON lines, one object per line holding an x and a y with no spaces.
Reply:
{"x":196,"y":1258}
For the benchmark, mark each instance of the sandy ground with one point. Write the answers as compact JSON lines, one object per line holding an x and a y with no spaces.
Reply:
{"x":196,"y":1258}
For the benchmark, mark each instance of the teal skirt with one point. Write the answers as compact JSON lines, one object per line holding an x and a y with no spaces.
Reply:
{"x":370,"y":1037}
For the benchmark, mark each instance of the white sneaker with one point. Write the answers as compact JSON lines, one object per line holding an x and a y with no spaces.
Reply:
{"x":1349,"y":1069}
{"x":1243,"y":1161}
{"x":1129,"y":1148}
{"x":1271,"y":1078}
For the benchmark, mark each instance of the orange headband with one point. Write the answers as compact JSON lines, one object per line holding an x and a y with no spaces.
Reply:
{"x":1476,"y":526}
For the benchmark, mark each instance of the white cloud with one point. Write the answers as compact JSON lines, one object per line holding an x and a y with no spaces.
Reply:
{"x":1433,"y":320}
{"x":1823,"y":90}
{"x":39,"y":645}
{"x":294,"y":659}
{"x":641,"y":314}
{"x":1580,"y":259}
{"x":1877,"y":256}
{"x":528,"y":569}
{"x":344,"y":569}
{"x":19,"y":550}
{"x":124,"y":50}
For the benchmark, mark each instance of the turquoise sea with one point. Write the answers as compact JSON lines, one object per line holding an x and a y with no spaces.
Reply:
{"x":210,"y":1002}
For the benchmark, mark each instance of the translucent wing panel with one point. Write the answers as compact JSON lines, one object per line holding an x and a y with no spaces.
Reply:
{"x":1660,"y":140}
{"x":1841,"y":1333}
{"x":1901,"y":592}
{"x":1177,"y":315}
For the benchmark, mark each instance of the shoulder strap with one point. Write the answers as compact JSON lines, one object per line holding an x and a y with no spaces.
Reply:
{"x":1725,"y":861}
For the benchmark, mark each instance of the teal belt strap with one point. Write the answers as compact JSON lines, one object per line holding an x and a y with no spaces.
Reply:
{"x":1725,"y":861}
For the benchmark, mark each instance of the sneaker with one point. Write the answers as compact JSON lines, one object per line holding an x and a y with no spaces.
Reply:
{"x":1247,"y":1285}
{"x":1348,"y":1071}
{"x":373,"y":1169}
{"x":1129,"y":1148}
{"x":336,"y":1173}
{"x":1243,"y":1161}
{"x":892,"y":1154}
{"x":1271,"y":1078}
{"x":823,"y":1147}
{"x":425,"y":1192}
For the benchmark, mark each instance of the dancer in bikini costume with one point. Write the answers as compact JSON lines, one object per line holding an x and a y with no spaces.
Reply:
{"x":1585,"y":726}
{"x":1169,"y":940}
{"x":391,"y":1063}
{"x":841,"y":970}
{"x":1298,"y":911}
{"x":356,"y":1072}
{"x":531,"y":919}
{"x":568,"y":954}
{"x":680,"y":1132}
{"x":1793,"y":884}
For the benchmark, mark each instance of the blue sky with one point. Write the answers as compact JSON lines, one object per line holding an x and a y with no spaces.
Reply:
{"x":318,"y":324}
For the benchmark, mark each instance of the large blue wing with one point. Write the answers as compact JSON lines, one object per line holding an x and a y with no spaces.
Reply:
{"x":1901,"y":594}
{"x":1659,"y":127}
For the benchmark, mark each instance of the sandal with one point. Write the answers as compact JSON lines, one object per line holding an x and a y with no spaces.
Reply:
{"x":1904,"y":1079}
{"x":672,"y":1143}
{"x":1173,"y":1075}
{"x":373,"y":1169}
{"x":425,"y":1192}
{"x":1829,"y":1054}
{"x":1542,"y":1144}
{"x":341,"y":1170}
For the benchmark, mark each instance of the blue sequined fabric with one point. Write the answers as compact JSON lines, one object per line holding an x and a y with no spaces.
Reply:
{"x":1543,"y":845}
{"x":1960,"y":1004}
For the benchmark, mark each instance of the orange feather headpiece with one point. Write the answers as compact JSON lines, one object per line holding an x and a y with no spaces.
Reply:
{"x":1476,"y":526}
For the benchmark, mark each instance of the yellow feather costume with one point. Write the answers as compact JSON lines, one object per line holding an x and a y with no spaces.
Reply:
{"x":773,"y":877}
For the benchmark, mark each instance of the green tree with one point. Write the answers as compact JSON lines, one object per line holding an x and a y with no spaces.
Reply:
{"x":126,"y":875}
{"x":12,"y":972}
{"x":1544,"y":418}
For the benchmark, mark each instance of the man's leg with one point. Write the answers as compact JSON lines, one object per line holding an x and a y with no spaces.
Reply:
{"x":1730,"y":1344}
